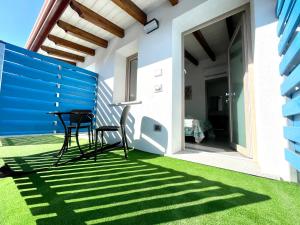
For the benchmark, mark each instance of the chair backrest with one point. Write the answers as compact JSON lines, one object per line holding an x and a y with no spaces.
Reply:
{"x":124,"y":115}
{"x":84,"y":118}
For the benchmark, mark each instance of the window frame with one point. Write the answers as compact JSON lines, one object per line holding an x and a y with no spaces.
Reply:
{"x":129,"y":59}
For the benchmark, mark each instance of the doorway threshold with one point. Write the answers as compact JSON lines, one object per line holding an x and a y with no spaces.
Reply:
{"x":221,"y":159}
{"x":220,"y":148}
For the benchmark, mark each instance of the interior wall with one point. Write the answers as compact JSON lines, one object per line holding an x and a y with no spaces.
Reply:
{"x":217,"y":88}
{"x":195,"y":76}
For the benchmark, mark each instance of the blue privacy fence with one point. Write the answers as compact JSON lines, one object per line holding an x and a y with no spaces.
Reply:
{"x":31,"y":85}
{"x":288,"y":12}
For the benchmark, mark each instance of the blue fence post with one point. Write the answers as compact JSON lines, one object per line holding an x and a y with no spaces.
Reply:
{"x":288,"y":12}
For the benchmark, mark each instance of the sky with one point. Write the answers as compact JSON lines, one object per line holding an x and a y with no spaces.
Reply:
{"x":17,"y":18}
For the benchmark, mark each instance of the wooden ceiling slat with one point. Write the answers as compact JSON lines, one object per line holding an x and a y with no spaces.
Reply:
{"x":64,"y":60}
{"x":82,"y":34}
{"x":71,"y":45}
{"x":201,"y":40}
{"x":173,"y":2}
{"x":132,"y":9}
{"x":60,"y":53}
{"x":96,"y":19}
{"x":191,"y":58}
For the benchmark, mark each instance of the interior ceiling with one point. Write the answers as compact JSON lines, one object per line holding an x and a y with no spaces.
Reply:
{"x":216,"y":35}
{"x":105,"y":8}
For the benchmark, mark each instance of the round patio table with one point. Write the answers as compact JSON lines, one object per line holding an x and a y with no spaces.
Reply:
{"x":65,"y":145}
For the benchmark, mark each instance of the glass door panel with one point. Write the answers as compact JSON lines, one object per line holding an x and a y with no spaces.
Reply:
{"x":236,"y":88}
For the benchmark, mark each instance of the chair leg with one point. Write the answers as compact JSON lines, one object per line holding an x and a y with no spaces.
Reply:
{"x":102,"y":132}
{"x":89,"y":134}
{"x":92,"y":131}
{"x":124,"y":142}
{"x":69,"y":136}
{"x":96,"y":143}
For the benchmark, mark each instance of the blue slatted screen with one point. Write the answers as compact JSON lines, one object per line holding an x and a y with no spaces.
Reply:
{"x":288,"y":12}
{"x":31,"y":85}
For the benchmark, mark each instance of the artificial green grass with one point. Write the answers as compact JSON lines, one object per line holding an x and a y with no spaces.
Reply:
{"x":145,"y":189}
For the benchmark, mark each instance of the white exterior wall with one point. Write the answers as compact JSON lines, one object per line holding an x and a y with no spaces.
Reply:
{"x":268,"y":101}
{"x":161,"y":52}
{"x":154,"y":55}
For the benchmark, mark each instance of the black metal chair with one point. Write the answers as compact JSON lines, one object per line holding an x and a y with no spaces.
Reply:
{"x":121,"y":128}
{"x":86,"y":122}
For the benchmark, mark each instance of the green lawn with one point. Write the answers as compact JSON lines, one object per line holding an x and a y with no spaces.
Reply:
{"x":145,"y":189}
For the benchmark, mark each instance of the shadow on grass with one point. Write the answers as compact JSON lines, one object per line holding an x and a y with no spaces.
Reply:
{"x":31,"y":140}
{"x":118,"y":191}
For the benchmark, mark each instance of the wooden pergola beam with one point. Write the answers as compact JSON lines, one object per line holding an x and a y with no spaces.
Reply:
{"x":82,"y":34}
{"x":96,"y":19}
{"x":173,"y":2}
{"x":71,"y":45}
{"x":132,"y":9}
{"x":51,"y":12}
{"x":63,"y":54}
{"x":201,"y":40}
{"x":64,"y":60}
{"x":191,"y":58}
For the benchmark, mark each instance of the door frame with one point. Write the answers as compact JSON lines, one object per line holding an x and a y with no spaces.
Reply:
{"x":251,"y":132}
